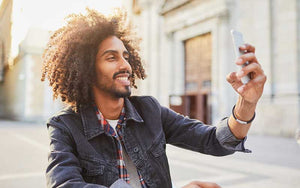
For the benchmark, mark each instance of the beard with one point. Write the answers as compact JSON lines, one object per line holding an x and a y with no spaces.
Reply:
{"x":107,"y":85}
{"x":114,"y":91}
{"x":121,"y":94}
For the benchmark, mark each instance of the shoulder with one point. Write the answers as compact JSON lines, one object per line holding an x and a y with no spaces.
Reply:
{"x":145,"y":104}
{"x":60,"y":117}
{"x":146,"y":100}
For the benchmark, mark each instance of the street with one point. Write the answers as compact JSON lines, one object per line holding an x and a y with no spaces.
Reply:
{"x":273,"y":163}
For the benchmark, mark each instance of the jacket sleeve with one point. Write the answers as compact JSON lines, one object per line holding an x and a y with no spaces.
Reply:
{"x":194,"y":135}
{"x":63,"y":168}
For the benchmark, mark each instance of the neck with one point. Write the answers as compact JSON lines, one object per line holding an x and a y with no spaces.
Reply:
{"x":109,"y":106}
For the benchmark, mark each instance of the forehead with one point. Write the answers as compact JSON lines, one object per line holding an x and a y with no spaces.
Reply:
{"x":111,"y":43}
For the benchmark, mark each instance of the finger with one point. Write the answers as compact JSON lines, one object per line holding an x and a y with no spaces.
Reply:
{"x":248,"y":48}
{"x":250,"y":57}
{"x":258,"y":81}
{"x":261,"y":79}
{"x":233,"y":79}
{"x":205,"y":184}
{"x":191,"y":186}
{"x":252,"y":67}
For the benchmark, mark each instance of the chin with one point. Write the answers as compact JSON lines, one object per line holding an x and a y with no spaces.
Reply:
{"x":121,"y":94}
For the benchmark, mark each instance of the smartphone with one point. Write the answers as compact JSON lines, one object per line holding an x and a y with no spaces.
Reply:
{"x":237,"y":39}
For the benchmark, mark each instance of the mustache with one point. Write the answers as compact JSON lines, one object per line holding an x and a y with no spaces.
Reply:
{"x":122,"y":72}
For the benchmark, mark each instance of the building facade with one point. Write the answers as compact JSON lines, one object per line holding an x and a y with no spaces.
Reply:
{"x":26,"y":97}
{"x":5,"y":35}
{"x":5,"y":45}
{"x":188,"y":52}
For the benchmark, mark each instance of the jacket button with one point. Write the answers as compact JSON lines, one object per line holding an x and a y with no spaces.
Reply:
{"x":136,"y":149}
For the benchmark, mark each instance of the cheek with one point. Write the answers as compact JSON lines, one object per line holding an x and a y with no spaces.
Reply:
{"x":105,"y":71}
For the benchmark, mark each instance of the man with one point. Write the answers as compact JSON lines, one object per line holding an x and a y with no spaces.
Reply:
{"x":105,"y":138}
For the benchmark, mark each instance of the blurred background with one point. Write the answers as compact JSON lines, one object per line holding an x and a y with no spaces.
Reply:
{"x":187,"y":51}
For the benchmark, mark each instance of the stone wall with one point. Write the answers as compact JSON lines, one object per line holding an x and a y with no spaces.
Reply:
{"x":272,"y":26}
{"x":5,"y":36}
{"x":25,"y":97}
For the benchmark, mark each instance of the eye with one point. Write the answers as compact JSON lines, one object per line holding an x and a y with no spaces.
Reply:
{"x":110,"y":58}
{"x":126,"y":58}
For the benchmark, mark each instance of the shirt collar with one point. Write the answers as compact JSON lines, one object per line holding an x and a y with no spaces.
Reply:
{"x":103,"y":121}
{"x":90,"y":121}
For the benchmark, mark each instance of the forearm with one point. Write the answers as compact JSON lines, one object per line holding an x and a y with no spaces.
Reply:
{"x":249,"y":93}
{"x":243,"y":111}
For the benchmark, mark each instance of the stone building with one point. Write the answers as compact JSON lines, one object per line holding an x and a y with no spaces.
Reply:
{"x":26,"y":97}
{"x":5,"y":45}
{"x":22,"y":95}
{"x":188,"y":52}
{"x":5,"y":35}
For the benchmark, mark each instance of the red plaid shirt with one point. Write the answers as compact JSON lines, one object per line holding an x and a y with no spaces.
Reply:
{"x":109,"y":130}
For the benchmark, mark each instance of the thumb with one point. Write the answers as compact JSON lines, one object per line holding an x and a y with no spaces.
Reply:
{"x":234,"y":81}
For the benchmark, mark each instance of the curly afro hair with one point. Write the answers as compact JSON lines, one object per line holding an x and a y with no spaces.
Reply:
{"x":70,"y":56}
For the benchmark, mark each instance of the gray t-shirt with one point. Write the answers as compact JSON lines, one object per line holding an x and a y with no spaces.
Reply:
{"x":130,"y":167}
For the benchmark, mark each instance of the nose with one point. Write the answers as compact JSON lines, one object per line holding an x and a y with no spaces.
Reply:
{"x":125,"y":65}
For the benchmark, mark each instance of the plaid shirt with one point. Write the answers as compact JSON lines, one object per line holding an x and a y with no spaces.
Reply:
{"x":109,"y":130}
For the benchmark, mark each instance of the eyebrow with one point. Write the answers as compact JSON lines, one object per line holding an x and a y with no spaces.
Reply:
{"x":113,"y":51}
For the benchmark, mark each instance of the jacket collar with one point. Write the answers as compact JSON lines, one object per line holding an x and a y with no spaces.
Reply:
{"x":130,"y":112}
{"x":91,"y":126}
{"x":90,"y":122}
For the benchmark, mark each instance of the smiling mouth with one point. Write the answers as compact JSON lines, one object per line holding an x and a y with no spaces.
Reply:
{"x":122,"y":78}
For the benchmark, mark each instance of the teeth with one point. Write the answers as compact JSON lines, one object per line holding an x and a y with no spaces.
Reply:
{"x":123,"y":78}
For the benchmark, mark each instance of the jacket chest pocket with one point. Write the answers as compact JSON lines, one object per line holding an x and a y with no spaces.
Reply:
{"x":158,"y":153}
{"x":159,"y":162}
{"x":157,"y":149}
{"x":97,"y":171}
{"x":91,"y":167}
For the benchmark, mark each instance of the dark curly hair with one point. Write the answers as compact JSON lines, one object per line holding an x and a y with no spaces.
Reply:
{"x":69,"y":59}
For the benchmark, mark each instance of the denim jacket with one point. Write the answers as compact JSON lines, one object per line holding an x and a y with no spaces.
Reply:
{"x":83,"y":155}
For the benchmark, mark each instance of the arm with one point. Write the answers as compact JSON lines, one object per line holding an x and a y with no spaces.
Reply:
{"x":249,"y":93}
{"x":192,"y":134}
{"x":63,"y":166}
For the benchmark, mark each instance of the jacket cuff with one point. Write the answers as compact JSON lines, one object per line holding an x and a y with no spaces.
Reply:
{"x":228,"y":140}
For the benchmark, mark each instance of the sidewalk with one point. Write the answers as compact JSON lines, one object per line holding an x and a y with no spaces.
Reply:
{"x":273,"y":163}
{"x":24,"y":148}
